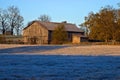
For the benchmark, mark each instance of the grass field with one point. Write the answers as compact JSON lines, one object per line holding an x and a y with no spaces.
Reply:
{"x":59,"y":67}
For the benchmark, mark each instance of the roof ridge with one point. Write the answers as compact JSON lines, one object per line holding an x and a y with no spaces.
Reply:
{"x":56,"y":22}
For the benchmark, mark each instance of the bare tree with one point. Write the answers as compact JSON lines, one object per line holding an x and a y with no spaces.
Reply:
{"x":44,"y":18}
{"x":14,"y":18}
{"x":3,"y":21}
{"x":19,"y":25}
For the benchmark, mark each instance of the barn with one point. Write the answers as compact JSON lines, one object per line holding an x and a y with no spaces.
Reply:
{"x":38,"y":32}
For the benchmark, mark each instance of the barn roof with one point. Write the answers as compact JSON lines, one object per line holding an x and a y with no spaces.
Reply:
{"x":52,"y":25}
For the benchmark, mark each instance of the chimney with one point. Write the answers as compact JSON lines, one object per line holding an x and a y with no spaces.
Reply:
{"x":64,"y":21}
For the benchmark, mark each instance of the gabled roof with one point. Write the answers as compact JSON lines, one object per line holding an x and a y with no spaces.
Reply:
{"x":52,"y":25}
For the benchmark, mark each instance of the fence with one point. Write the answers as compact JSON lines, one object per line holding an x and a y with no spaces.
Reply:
{"x":5,"y":39}
{"x":10,"y":39}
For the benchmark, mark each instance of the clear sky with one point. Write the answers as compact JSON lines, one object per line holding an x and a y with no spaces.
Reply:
{"x":72,"y":11}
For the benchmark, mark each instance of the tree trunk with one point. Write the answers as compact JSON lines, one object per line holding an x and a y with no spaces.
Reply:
{"x":11,"y":31}
{"x":3,"y":31}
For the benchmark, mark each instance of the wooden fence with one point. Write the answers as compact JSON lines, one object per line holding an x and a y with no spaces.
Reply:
{"x":5,"y":39}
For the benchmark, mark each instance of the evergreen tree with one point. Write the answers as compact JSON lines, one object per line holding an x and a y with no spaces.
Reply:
{"x":59,"y":35}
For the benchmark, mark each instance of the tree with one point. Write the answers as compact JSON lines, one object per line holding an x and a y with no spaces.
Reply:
{"x":103,"y":25}
{"x":59,"y":35}
{"x":44,"y":18}
{"x":19,"y":25}
{"x":15,"y":20}
{"x":3,"y":21}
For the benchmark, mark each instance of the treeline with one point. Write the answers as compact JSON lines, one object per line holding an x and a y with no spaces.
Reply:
{"x":11,"y":20}
{"x":103,"y":25}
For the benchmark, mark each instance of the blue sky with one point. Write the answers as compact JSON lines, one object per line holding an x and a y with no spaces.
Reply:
{"x":72,"y":11}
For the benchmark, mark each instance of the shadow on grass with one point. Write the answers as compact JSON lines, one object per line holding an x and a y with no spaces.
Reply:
{"x":30,"y":49}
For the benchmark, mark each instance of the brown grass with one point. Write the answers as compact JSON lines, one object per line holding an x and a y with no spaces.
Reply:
{"x":76,"y":50}
{"x":87,"y":50}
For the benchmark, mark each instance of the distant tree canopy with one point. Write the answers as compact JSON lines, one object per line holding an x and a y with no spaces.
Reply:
{"x":104,"y":25}
{"x":59,"y":35}
{"x":3,"y":21}
{"x":11,"y":20}
{"x":44,"y":18}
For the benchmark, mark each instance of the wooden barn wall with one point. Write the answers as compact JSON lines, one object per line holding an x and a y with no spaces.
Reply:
{"x":36,"y":34}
